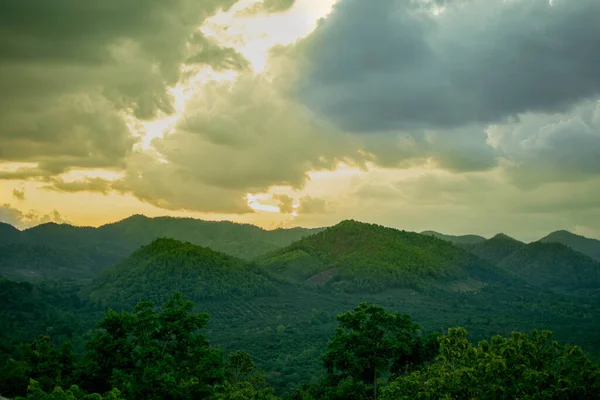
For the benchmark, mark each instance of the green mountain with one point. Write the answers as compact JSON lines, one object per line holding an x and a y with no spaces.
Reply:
{"x":30,"y":262}
{"x":462,"y":239}
{"x":495,"y":249}
{"x":553,"y":265}
{"x":87,"y":250}
{"x":587,"y":246}
{"x":8,"y":233}
{"x":26,"y":310}
{"x":165,"y":266}
{"x":359,"y":257}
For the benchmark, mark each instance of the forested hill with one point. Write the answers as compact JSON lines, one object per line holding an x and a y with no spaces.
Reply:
{"x":495,"y":249}
{"x":8,"y":233}
{"x":462,"y":239}
{"x":96,"y":248}
{"x":587,"y":246}
{"x":553,"y":265}
{"x":538,"y":263}
{"x":165,"y":266}
{"x":32,"y":262}
{"x":354,"y":257}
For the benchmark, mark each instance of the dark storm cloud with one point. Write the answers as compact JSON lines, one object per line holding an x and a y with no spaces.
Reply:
{"x":390,"y":65}
{"x":71,"y":70}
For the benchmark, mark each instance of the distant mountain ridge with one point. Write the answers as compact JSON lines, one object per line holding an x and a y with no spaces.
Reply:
{"x":540,"y":263}
{"x":354,"y":256}
{"x":462,"y":239}
{"x":587,"y":246}
{"x":97,"y":248}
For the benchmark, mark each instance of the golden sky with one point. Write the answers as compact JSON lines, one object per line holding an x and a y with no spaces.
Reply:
{"x":306,"y":112}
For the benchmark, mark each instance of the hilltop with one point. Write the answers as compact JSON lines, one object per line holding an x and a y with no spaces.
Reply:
{"x":587,"y":246}
{"x":462,"y":239}
{"x":553,"y":265}
{"x":354,"y":256}
{"x":165,"y":266}
{"x":495,"y":249}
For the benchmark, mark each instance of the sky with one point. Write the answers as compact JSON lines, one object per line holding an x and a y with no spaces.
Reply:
{"x":460,"y":116}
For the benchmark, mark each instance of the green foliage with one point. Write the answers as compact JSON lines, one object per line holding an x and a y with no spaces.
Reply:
{"x":587,"y":246}
{"x":35,"y":392}
{"x":150,"y":355}
{"x":458,"y":240}
{"x":52,"y":251}
{"x":29,"y":262}
{"x":369,"y":345}
{"x":495,"y":249}
{"x":553,"y":265}
{"x":28,"y":310}
{"x":521,"y":366}
{"x":166,"y":265}
{"x":359,"y":257}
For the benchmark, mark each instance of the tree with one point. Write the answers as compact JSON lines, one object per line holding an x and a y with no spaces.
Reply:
{"x":525,"y":366}
{"x":35,"y":392}
{"x":368,"y":344}
{"x":150,"y":355}
{"x":244,"y":381}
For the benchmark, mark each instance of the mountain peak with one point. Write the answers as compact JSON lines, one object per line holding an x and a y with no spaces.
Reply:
{"x":587,"y":246}
{"x":359,"y":257}
{"x":503,"y":236}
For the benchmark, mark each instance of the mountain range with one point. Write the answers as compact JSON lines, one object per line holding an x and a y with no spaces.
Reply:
{"x":276,"y":293}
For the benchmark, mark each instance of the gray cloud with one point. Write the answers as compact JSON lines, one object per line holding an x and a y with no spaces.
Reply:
{"x":552,"y":147}
{"x":313,"y":205}
{"x":70,"y":72}
{"x":390,"y":65}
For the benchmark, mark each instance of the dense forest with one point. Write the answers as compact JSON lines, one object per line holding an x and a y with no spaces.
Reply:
{"x":180,"y":319}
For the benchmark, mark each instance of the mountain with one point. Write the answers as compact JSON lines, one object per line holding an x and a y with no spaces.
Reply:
{"x":8,"y":233}
{"x":92,"y":249}
{"x":495,"y":249}
{"x":553,"y":265}
{"x":463,"y":239}
{"x":165,"y":266}
{"x":26,"y":310}
{"x":359,"y":257}
{"x":587,"y":246}
{"x":29,"y":262}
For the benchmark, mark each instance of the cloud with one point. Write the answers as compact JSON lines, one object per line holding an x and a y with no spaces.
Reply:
{"x":551,"y":148}
{"x":285,"y":203}
{"x":21,"y":219}
{"x":390,"y":65}
{"x":233,"y":139}
{"x":313,"y":205}
{"x":19,"y":194}
{"x":268,"y":6}
{"x":72,"y":74}
{"x":98,"y":185}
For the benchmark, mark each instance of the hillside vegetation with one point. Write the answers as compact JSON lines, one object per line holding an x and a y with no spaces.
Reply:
{"x":461,"y":239}
{"x":30,"y":262}
{"x":84,"y":251}
{"x":354,"y":257}
{"x":495,"y":249}
{"x":553,"y":265}
{"x":587,"y":246}
{"x":164,"y":266}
